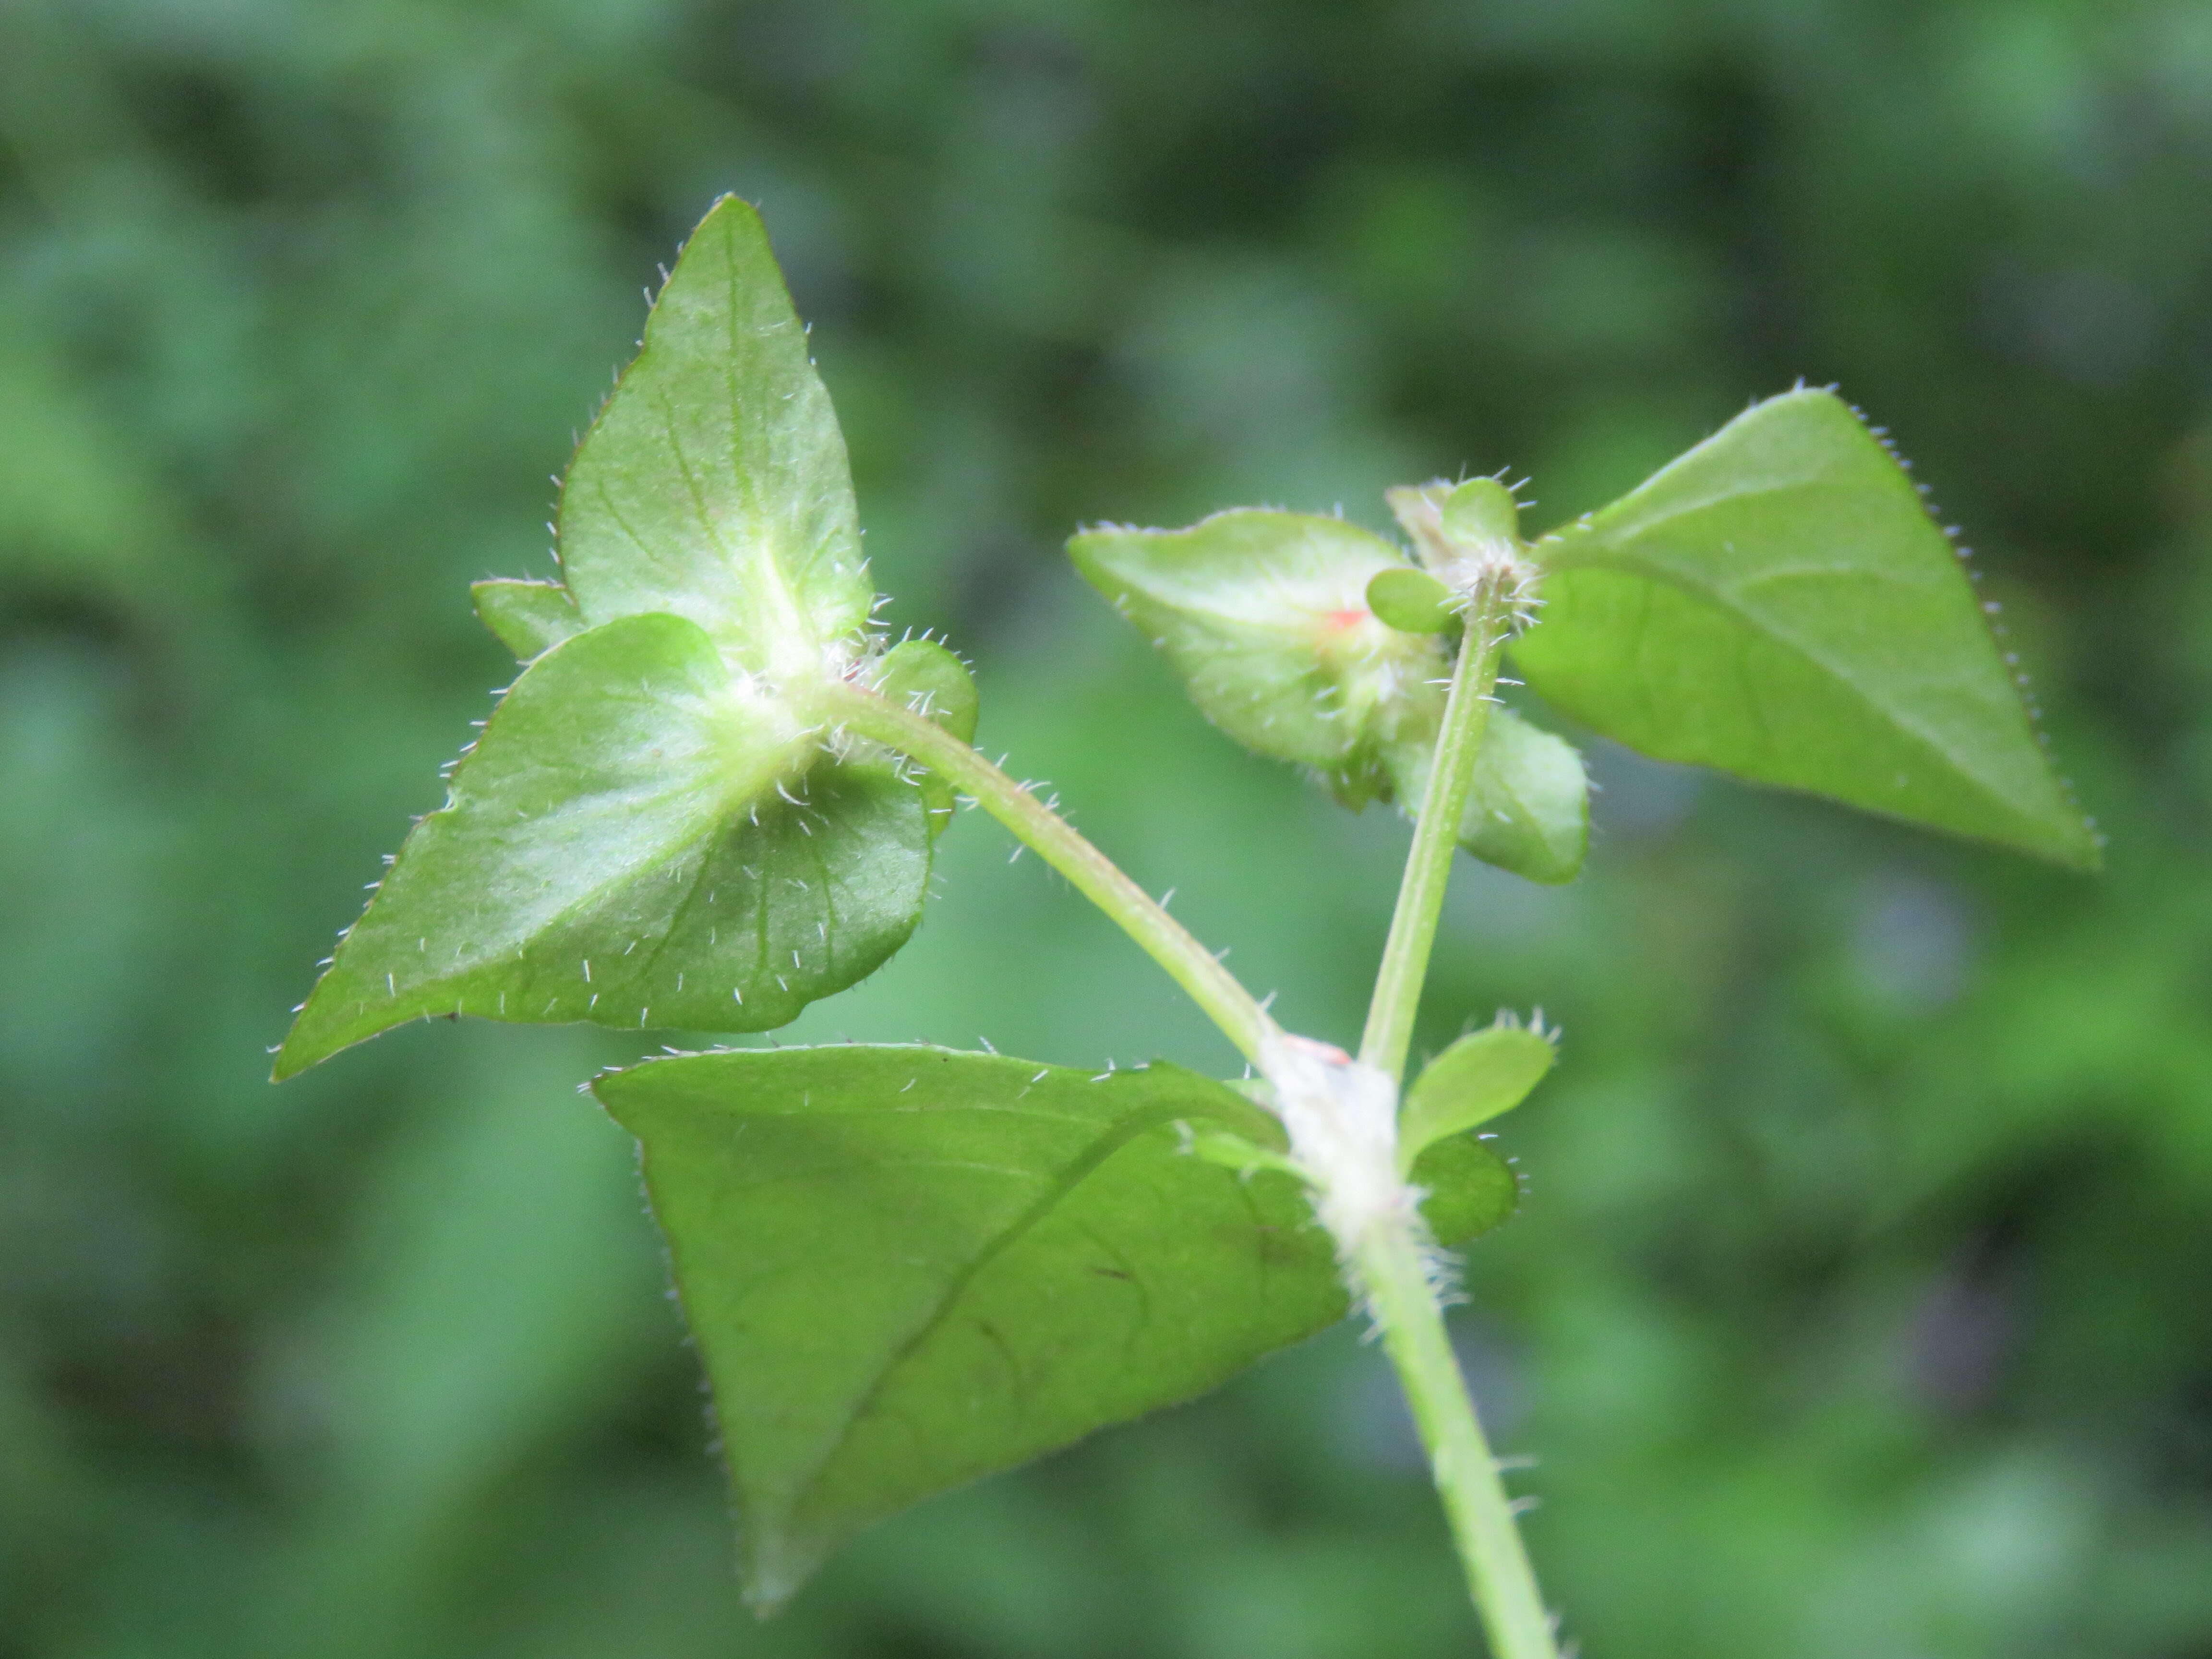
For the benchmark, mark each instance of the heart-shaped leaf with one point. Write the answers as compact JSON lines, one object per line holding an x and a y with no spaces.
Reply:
{"x":1778,"y":603}
{"x":641,"y":836}
{"x":1264,"y":615}
{"x":1529,"y":809}
{"x":1484,"y":1073}
{"x":907,"y":1266}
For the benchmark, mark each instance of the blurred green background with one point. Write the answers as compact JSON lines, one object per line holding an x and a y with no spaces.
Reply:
{"x":1862,"y":1304}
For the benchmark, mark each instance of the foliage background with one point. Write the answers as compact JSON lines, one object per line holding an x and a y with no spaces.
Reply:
{"x":1859,"y":1307}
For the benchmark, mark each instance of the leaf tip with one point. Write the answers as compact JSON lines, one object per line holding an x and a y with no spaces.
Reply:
{"x":302,"y":1047}
{"x":2083,"y":848}
{"x":776,"y":1560}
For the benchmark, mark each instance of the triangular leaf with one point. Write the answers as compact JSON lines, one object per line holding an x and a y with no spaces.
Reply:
{"x":638,"y":838}
{"x":528,"y":618}
{"x":714,"y":485}
{"x":1529,"y":809}
{"x":1778,"y":603}
{"x":1484,"y":1073}
{"x":907,"y":1266}
{"x":1264,"y":615}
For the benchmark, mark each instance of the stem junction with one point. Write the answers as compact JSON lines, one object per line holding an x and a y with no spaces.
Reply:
{"x":1340,"y":1112}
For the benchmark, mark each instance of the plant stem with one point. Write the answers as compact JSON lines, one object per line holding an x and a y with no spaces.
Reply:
{"x":1389,"y":1258}
{"x":1405,"y":1308}
{"x":1436,"y":837}
{"x":1098,"y":878}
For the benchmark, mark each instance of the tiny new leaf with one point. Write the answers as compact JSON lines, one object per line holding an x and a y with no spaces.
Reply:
{"x":528,"y":618}
{"x":908,"y":1267}
{"x":1484,"y":1073}
{"x":1268,"y":618}
{"x":650,"y":831}
{"x":1264,"y":615}
{"x":932,"y":681}
{"x":639,"y":837}
{"x":1778,"y":603}
{"x":1450,"y":524}
{"x":1411,"y":601}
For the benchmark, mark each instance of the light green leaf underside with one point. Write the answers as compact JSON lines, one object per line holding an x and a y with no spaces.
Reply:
{"x":1264,"y":616}
{"x":714,"y":485}
{"x":528,"y":618}
{"x":908,"y":1267}
{"x":636,"y":839}
{"x":1483,"y":1074}
{"x":1528,"y":809}
{"x":1778,"y":605}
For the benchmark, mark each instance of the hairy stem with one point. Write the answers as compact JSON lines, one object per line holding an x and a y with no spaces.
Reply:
{"x":1436,"y":837}
{"x":1388,"y":1259}
{"x":1098,"y":878}
{"x":1403,"y":1302}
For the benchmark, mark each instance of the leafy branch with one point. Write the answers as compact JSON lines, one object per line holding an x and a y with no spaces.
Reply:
{"x":712,"y":795}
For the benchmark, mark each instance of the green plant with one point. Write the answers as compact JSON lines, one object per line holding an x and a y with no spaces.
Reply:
{"x":711,"y":796}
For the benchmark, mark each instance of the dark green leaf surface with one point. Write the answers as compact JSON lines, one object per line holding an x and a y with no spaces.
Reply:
{"x":1484,"y":1073}
{"x":714,"y":485}
{"x":528,"y":618}
{"x":1778,"y":603}
{"x":1528,"y":810}
{"x":910,"y":1267}
{"x":637,"y":839}
{"x":1264,"y":615}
